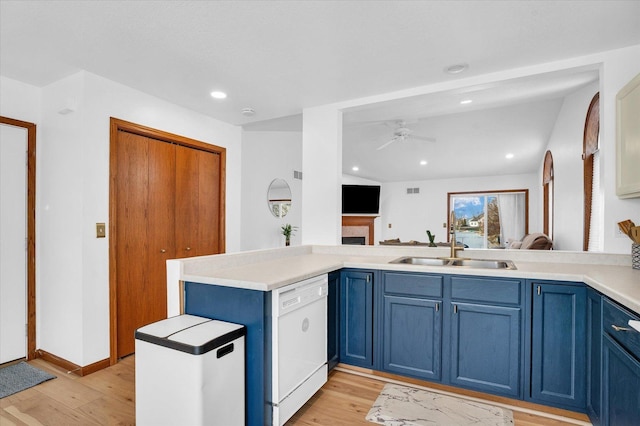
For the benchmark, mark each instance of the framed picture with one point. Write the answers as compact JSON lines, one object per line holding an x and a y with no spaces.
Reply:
{"x":628,"y":140}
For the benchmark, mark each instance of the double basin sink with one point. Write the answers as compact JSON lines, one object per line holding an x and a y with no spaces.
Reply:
{"x":457,"y":262}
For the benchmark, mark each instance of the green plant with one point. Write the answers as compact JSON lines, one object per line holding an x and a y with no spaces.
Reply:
{"x":288,"y":230}
{"x":431,"y":238}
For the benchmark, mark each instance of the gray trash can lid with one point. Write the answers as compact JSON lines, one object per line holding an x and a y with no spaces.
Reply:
{"x":191,"y":334}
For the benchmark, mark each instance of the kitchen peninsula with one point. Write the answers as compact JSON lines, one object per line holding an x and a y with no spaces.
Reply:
{"x":595,"y":287}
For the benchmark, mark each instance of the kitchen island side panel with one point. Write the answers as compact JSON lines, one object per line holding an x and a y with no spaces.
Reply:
{"x":251,"y":308}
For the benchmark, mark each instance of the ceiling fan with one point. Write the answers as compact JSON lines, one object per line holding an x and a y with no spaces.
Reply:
{"x":401,"y":132}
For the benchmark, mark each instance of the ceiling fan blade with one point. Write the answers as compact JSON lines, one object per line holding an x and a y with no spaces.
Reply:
{"x":423,"y":138}
{"x":386,"y":144}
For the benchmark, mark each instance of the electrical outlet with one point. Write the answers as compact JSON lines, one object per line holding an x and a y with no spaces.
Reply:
{"x":389,"y":226}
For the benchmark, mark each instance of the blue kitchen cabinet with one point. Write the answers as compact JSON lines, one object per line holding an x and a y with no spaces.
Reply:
{"x":486,"y":334}
{"x":412,"y":330}
{"x":251,"y":308}
{"x":558,"y":345}
{"x":620,"y":367}
{"x":594,"y":355}
{"x":333,"y":320}
{"x":356,"y":317}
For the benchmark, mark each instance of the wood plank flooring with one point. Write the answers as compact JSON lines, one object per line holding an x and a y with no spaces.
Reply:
{"x":107,"y":397}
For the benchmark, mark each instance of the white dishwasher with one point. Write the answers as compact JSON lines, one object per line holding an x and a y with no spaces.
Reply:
{"x":299,"y":332}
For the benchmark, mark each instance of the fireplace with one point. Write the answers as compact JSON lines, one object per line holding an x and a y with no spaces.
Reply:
{"x":357,"y":230}
{"x":355,"y":241}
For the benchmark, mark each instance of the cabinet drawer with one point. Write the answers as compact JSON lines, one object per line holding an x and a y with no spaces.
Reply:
{"x":420,"y":285}
{"x":627,"y":337}
{"x":493,"y":290}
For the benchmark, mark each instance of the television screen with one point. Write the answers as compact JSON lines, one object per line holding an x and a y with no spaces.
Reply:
{"x":360,"y":199}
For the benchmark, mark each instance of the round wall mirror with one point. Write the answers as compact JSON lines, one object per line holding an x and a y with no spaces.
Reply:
{"x":279,"y":198}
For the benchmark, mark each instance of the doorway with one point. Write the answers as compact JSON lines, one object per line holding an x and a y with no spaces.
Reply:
{"x":166,"y":201}
{"x":18,"y":230}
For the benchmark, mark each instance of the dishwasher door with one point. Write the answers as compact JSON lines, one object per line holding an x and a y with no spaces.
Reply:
{"x":299,"y":345}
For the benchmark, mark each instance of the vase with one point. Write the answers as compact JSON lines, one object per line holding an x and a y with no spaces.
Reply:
{"x":287,"y":242}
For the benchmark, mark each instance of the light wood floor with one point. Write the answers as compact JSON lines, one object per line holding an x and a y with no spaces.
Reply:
{"x":107,"y":397}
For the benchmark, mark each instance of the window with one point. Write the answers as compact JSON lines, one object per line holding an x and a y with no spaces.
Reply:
{"x":591,"y":160}
{"x":547,"y":194}
{"x":489,"y":219}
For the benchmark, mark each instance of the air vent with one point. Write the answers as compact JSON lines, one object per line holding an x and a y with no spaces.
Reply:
{"x":413,"y":190}
{"x":297,"y":175}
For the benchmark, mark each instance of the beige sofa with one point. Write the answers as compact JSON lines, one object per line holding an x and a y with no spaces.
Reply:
{"x":535,"y":241}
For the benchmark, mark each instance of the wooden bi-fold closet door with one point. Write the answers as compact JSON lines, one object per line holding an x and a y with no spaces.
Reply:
{"x":197,"y":202}
{"x":166,"y":202}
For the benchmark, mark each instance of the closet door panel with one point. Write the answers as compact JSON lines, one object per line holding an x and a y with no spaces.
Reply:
{"x":132,"y":187}
{"x":208,"y":224}
{"x":145,"y":227}
{"x":187,"y":199}
{"x":160,"y":228}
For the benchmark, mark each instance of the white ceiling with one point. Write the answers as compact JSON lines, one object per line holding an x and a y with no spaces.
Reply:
{"x":279,"y":57}
{"x":512,"y":117}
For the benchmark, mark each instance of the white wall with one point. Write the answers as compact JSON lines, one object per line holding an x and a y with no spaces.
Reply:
{"x":565,"y":144}
{"x":19,"y":101}
{"x":322,"y":176}
{"x":73,"y":194}
{"x":267,"y":156}
{"x":411,"y":215}
{"x":618,"y":67}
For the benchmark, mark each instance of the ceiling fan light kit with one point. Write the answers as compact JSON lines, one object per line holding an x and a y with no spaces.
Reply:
{"x":402,"y":133}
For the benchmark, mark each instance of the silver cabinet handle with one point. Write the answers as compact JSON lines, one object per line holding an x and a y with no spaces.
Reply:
{"x":618,"y":328}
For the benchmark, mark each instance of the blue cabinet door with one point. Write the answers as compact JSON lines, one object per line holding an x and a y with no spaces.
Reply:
{"x":356,"y":318}
{"x":558,"y":345}
{"x":333,"y":320}
{"x":594,"y":354}
{"x":620,"y":385}
{"x":486,"y":348}
{"x":412,"y":337}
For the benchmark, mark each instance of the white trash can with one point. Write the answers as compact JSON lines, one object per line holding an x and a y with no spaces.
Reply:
{"x":190,"y":371}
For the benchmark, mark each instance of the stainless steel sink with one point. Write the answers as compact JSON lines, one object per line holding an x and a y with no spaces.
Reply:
{"x":427,"y":261}
{"x":460,"y":263}
{"x":483,"y":264}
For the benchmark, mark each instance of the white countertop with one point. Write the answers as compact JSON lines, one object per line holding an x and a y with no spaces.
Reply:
{"x":266,"y":270}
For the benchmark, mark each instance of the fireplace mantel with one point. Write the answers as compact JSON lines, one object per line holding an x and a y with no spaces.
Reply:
{"x":361,"y":221}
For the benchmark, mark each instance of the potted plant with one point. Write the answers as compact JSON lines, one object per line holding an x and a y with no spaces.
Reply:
{"x":431,"y":238}
{"x":287,"y":231}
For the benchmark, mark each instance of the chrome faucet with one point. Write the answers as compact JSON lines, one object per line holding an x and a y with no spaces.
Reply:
{"x":452,"y":234}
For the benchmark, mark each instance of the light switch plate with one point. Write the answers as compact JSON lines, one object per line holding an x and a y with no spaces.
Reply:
{"x":101,"y":230}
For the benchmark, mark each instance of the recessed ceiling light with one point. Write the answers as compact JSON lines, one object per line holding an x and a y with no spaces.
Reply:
{"x":466,"y":101}
{"x":218,"y":95}
{"x":509,"y":156}
{"x":355,"y":168}
{"x":423,"y":162}
{"x":456,"y":69}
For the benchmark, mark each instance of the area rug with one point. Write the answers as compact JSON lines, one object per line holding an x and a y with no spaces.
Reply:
{"x":405,"y":406}
{"x":21,"y":376}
